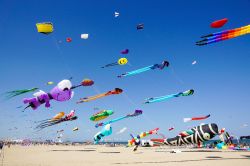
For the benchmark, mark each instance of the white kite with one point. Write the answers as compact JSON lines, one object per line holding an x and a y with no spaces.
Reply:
{"x":122,"y":130}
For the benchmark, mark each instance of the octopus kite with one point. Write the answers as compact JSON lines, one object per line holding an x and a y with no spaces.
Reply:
{"x":116,"y":91}
{"x":46,"y":123}
{"x":223,"y":35}
{"x":62,"y":92}
{"x":106,"y":131}
{"x":162,"y":98}
{"x":151,"y":67}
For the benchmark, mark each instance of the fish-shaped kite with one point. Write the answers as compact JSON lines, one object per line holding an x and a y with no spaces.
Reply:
{"x":162,"y":98}
{"x":116,"y":91}
{"x":223,"y":35}
{"x":196,"y":118}
{"x":136,"y":113}
{"x":144,"y":69}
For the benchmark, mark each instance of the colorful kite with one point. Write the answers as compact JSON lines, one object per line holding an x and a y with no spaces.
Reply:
{"x":46,"y":123}
{"x":136,"y":113}
{"x":116,"y":91}
{"x":162,"y":98}
{"x":137,"y":140}
{"x":58,"y":116}
{"x":62,"y":92}
{"x":152,"y":67}
{"x":196,"y":118}
{"x":223,"y":35}
{"x":45,"y":27}
{"x":126,"y":51}
{"x":196,"y":135}
{"x":11,"y":94}
{"x":219,"y":23}
{"x":106,"y":131}
{"x":101,"y":115}
{"x":121,"y":61}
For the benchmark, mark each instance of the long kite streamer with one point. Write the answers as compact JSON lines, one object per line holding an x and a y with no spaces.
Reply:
{"x":196,"y":118}
{"x":223,"y":35}
{"x":162,"y":98}
{"x":144,"y":69}
{"x":116,"y":91}
{"x":136,"y":113}
{"x":14,"y":93}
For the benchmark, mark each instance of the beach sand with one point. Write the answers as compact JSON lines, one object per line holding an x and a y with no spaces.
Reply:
{"x":99,"y":155}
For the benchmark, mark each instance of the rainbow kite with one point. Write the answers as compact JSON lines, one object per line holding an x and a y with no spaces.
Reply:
{"x":223,"y":35}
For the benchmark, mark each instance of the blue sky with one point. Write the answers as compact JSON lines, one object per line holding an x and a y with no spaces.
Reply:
{"x":220,"y":78}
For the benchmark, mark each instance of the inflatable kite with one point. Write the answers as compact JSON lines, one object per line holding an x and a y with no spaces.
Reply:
{"x":116,"y":91}
{"x":162,"y":98}
{"x":70,"y":117}
{"x":136,"y":113}
{"x":137,"y":140}
{"x":126,"y":51}
{"x":196,"y":118}
{"x":11,"y":94}
{"x":58,"y":116}
{"x":152,"y":67}
{"x":101,"y":115}
{"x":140,"y":26}
{"x":106,"y":131}
{"x":121,"y":61}
{"x":223,"y":35}
{"x":45,"y":27}
{"x":196,"y":135}
{"x":219,"y":23}
{"x":62,"y":92}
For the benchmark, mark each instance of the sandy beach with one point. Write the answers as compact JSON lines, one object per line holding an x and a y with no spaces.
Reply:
{"x":95,"y":155}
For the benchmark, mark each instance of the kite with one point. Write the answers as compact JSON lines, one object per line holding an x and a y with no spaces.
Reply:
{"x":219,"y":23}
{"x":194,"y":62}
{"x":140,"y":26}
{"x":121,"y":61}
{"x":75,"y":129}
{"x":116,"y":91}
{"x":162,"y":98}
{"x":58,"y":116}
{"x":84,"y":36}
{"x":171,"y":128}
{"x":136,"y":113}
{"x":196,"y":118}
{"x":106,"y":131}
{"x":223,"y":35}
{"x":45,"y":27}
{"x":68,"y":39}
{"x":61,"y":92}
{"x":196,"y":135}
{"x":137,"y":140}
{"x":46,"y":123}
{"x":117,"y":14}
{"x":122,"y":130}
{"x":152,"y":67}
{"x":50,"y":83}
{"x":15,"y":93}
{"x":126,"y":51}
{"x":101,"y":115}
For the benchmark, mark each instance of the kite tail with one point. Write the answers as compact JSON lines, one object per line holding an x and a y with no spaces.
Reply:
{"x":187,"y":119}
